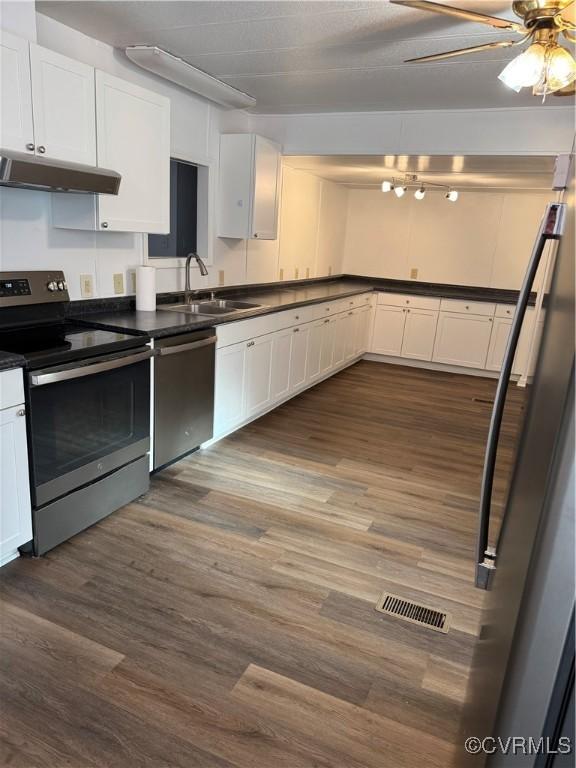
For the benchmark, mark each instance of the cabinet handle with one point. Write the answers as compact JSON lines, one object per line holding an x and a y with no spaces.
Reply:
{"x":408,"y":311}
{"x":30,"y":147}
{"x":41,"y":149}
{"x":467,"y":307}
{"x":104,"y":225}
{"x":407,"y":301}
{"x":21,"y":412}
{"x":327,"y":320}
{"x":255,"y":234}
{"x":350,"y":313}
{"x":490,"y":319}
{"x":327,"y":309}
{"x":296,"y":317}
{"x":296,"y":330}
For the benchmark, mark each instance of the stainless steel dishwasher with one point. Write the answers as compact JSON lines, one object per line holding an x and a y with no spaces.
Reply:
{"x":183,"y":394}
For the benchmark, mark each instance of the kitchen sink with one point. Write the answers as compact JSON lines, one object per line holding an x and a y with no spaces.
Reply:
{"x":214,"y":307}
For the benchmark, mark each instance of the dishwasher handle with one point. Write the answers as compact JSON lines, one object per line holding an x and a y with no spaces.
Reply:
{"x":186,"y":347}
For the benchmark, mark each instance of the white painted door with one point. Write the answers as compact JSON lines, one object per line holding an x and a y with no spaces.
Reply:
{"x":498,"y":340}
{"x":419,"y":334}
{"x":133,"y":138}
{"x":229,"y":388}
{"x":341,"y":321}
{"x":16,"y":126}
{"x":314,"y":351}
{"x":388,"y":330}
{"x":15,"y":513}
{"x":281,"y":354}
{"x":265,"y":189}
{"x":258,"y":374}
{"x":327,"y":351}
{"x":299,"y":357}
{"x":64,"y":108}
{"x":462,"y":339}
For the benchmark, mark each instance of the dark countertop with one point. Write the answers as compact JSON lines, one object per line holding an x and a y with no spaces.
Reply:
{"x":274,"y":297}
{"x":9,"y":360}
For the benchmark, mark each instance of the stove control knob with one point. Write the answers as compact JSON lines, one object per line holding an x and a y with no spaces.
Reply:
{"x":52,"y":286}
{"x":61,"y":285}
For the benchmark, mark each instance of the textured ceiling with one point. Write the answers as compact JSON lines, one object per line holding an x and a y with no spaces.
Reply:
{"x":478,"y":172}
{"x":309,"y":56}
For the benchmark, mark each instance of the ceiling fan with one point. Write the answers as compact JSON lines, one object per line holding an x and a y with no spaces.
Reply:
{"x":545,"y":65}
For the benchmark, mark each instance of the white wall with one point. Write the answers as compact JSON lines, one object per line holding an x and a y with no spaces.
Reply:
{"x":483,"y":239}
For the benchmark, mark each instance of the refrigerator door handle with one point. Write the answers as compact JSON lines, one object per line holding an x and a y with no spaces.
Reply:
{"x":551,"y":228}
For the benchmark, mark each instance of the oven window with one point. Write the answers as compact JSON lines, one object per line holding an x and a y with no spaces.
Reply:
{"x":77,"y":422}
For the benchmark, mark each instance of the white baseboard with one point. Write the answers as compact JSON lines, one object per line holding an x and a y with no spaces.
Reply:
{"x":431,"y":366}
{"x":8,"y":557}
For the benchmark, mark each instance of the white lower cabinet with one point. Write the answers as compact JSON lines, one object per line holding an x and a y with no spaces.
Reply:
{"x":299,"y":357}
{"x":15,"y":510}
{"x":229,"y":388}
{"x":419,"y":334}
{"x":280,"y":367}
{"x":340,"y":325}
{"x":258,"y":367}
{"x":327,"y":351}
{"x":462,"y":339}
{"x":350,"y":330}
{"x":499,"y":340}
{"x":313,"y":371}
{"x":388,"y":330}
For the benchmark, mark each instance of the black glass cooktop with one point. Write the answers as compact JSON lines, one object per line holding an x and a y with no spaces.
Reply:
{"x":53,"y":344}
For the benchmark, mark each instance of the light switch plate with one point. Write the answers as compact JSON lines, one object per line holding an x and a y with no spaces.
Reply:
{"x":329,"y":270}
{"x":296,"y":273}
{"x":281,"y":274}
{"x":118,"y":282}
{"x":132,"y":280}
{"x":413,"y":274}
{"x":86,"y":286}
{"x":221,"y":277}
{"x":307,"y":272}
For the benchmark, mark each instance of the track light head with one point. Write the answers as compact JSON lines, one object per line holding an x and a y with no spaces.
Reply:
{"x":399,"y":191}
{"x":452,"y":195}
{"x":387,"y":186}
{"x":420,"y":193}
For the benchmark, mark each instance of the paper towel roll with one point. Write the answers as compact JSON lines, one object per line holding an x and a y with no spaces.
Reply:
{"x":145,"y":289}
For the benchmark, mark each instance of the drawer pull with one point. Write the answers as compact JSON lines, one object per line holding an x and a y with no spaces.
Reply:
{"x":407,"y":301}
{"x":295,"y":330}
{"x":250,"y":344}
{"x":21,"y":412}
{"x":327,"y":320}
{"x":467,"y":306}
{"x":350,"y":313}
{"x":296,"y":317}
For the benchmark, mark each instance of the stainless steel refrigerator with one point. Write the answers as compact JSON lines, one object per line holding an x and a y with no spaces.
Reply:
{"x":522,"y":679}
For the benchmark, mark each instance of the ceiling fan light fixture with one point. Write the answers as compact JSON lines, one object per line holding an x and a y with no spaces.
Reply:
{"x":399,"y":191}
{"x":452,"y":195}
{"x":525,"y":70}
{"x":420,"y":193}
{"x":558,"y":72}
{"x":387,"y":186}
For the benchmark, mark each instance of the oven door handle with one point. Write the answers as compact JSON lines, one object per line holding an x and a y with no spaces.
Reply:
{"x":41,"y":379}
{"x":186,"y":347}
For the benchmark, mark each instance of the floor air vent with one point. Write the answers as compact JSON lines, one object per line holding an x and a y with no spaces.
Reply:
{"x":413,"y":612}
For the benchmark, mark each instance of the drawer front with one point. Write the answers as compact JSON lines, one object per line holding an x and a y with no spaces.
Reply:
{"x":11,"y":388}
{"x":405,"y":300}
{"x":468,"y":307}
{"x":505,"y":310}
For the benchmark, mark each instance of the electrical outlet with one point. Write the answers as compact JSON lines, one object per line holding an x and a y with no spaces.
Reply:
{"x":86,"y":286}
{"x":307,"y":272}
{"x":220,"y":277}
{"x":132,"y":280}
{"x":296,"y":272}
{"x":118,"y":282}
{"x":281,"y":274}
{"x":329,"y":270}
{"x":413,"y":273}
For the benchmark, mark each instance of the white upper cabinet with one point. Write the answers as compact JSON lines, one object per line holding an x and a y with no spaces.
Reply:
{"x":133,"y":138}
{"x":248,"y":187}
{"x":64,"y":108}
{"x":16,"y":127}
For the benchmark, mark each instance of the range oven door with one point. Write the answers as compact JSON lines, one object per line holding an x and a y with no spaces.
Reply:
{"x":86,"y":420}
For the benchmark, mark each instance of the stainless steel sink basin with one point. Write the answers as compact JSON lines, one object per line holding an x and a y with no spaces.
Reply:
{"x":214,"y":307}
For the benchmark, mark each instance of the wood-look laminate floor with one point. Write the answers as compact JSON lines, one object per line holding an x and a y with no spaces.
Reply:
{"x":226,"y":620}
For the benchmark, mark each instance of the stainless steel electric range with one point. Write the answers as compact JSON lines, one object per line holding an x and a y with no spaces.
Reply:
{"x":87,"y":407}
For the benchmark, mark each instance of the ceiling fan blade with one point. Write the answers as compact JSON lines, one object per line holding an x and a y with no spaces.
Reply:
{"x":464,"y":51}
{"x":460,"y":13}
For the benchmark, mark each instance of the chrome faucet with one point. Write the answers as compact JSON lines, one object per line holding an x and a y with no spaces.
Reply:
{"x":203,"y":272}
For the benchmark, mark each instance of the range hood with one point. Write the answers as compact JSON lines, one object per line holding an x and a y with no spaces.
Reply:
{"x":18,"y":169}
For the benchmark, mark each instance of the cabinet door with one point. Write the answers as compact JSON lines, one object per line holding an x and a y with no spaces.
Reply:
{"x":133,"y":138}
{"x":462,"y":339}
{"x":63,"y":98}
{"x":258,"y":374}
{"x":16,"y":128}
{"x":299,"y":357}
{"x":15,"y":513}
{"x":388,"y":330}
{"x":229,"y":388}
{"x":281,"y":354}
{"x":350,"y":333}
{"x":419,"y":334}
{"x":327,"y":350}
{"x":265,"y":189}
{"x":340,"y":322}
{"x":314,"y":351}
{"x":498,"y":340}
{"x":363,"y":330}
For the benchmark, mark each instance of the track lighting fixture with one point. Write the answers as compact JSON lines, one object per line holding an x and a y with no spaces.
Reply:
{"x":411,"y":180}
